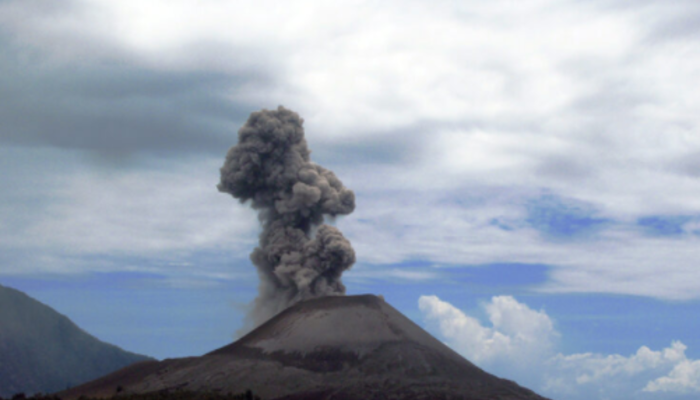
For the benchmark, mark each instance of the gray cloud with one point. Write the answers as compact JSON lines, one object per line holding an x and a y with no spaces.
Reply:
{"x":114,"y":109}
{"x":565,"y":168}
{"x":668,"y":20}
{"x":687,"y":165}
{"x":396,"y":147}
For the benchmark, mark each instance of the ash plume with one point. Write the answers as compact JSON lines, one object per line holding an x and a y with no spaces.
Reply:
{"x":298,"y":257}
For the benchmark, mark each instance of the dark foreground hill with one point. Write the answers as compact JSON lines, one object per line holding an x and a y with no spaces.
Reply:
{"x":43,"y":351}
{"x":349,"y":347}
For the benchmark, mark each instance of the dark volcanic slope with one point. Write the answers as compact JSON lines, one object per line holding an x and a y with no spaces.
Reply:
{"x":43,"y":351}
{"x":344,"y":347}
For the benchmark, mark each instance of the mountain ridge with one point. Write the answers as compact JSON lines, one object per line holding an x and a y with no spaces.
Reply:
{"x":44,"y":351}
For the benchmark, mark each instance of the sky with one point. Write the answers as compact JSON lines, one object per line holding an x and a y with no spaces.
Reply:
{"x":527,"y":174}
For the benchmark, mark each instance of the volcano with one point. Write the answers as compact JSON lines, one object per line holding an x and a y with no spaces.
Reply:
{"x":335,"y":347}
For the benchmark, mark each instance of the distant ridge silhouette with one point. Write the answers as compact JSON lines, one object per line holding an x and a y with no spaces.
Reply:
{"x":43,"y":351}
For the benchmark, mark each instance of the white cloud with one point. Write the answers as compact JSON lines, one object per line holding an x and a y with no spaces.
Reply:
{"x":360,"y":273}
{"x":684,"y":378}
{"x":462,"y":228}
{"x":590,"y":102}
{"x":612,"y":374}
{"x":165,"y":214}
{"x":518,"y":336}
{"x":520,"y":345}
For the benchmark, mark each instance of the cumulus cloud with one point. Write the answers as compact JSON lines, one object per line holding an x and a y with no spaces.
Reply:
{"x":517,"y":333}
{"x":616,"y":376}
{"x":520,"y":344}
{"x":683,"y":378}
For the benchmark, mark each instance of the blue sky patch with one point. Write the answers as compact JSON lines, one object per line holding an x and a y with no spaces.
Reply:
{"x":664,"y":225}
{"x":502,"y":275}
{"x":165,"y":321}
{"x":560,"y":219}
{"x":501,"y":224}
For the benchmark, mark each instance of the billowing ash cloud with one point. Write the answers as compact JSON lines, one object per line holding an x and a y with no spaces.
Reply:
{"x":298,"y":257}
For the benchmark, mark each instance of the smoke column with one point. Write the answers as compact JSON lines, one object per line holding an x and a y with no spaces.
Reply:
{"x":298,"y":257}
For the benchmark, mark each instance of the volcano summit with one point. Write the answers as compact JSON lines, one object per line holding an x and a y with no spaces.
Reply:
{"x":334,"y":347}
